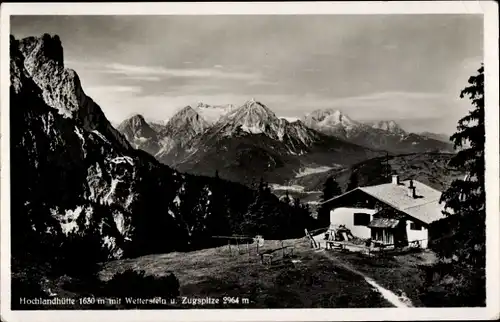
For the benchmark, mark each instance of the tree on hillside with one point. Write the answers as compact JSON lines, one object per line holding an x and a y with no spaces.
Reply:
{"x":353,"y":181}
{"x":263,"y":187}
{"x":330,"y":189}
{"x":466,"y":197}
{"x":286,"y":199}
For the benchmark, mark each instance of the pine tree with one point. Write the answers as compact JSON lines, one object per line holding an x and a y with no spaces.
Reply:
{"x":353,"y":182}
{"x":465,"y":207}
{"x":330,"y":189}
{"x":287,"y":199}
{"x":465,"y":198}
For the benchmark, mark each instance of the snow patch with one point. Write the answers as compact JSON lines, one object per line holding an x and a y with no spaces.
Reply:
{"x":295,"y":188}
{"x":177,"y":201}
{"x":141,"y":139}
{"x":47,"y":123}
{"x":110,"y":243}
{"x":307,"y":171}
{"x":120,"y":222}
{"x":130,"y":199}
{"x":108,"y":199}
{"x":100,"y":136}
{"x":253,"y":129}
{"x":68,"y":220}
{"x":79,"y":133}
{"x":118,"y":160}
{"x":171,"y":213}
{"x":281,"y":133}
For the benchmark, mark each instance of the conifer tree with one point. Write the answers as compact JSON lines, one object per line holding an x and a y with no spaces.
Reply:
{"x":330,"y":189}
{"x":465,"y":197}
{"x":464,"y":202}
{"x":353,"y":182}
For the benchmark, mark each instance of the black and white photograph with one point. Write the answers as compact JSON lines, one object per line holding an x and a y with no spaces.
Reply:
{"x":211,"y":162}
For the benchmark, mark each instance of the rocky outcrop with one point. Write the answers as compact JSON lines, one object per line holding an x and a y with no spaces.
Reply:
{"x":61,"y":88}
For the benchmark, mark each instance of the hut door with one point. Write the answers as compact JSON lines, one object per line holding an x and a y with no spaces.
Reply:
{"x":388,"y":236}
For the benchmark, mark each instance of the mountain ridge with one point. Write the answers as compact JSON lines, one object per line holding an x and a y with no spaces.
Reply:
{"x":384,"y":134}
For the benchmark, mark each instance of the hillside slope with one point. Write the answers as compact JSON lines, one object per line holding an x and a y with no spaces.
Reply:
{"x":429,"y":168}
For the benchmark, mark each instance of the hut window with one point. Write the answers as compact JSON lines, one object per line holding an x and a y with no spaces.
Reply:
{"x":361,"y":219}
{"x":415,"y":226}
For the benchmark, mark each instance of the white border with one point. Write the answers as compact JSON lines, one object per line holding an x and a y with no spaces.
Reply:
{"x":488,"y":8}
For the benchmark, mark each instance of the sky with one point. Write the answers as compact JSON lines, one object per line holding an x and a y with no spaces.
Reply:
{"x":406,"y":68}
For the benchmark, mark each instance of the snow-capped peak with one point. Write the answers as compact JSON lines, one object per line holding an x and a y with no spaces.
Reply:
{"x":389,"y":126}
{"x":203,"y":105}
{"x":212,"y":113}
{"x":337,"y":117}
{"x":329,"y":119}
{"x":252,"y":117}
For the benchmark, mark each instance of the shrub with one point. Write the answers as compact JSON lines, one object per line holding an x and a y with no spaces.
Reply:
{"x":453,"y":285}
{"x":137,"y":284}
{"x":79,"y":255}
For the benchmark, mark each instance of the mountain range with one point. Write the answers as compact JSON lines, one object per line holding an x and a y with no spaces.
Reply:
{"x":250,"y":141}
{"x":246,"y":142}
{"x":384,"y":135}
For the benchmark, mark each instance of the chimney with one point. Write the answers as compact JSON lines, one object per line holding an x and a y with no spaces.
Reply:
{"x":395,"y":179}
{"x":411,"y":191}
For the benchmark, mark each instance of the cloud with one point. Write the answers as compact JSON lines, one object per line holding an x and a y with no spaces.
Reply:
{"x":133,"y":70}
{"x":114,"y":89}
{"x":394,"y":105}
{"x":143,"y":78}
{"x":389,"y":96}
{"x":159,"y":73}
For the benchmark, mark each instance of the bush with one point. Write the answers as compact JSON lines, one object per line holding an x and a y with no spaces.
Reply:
{"x":136,"y":284}
{"x":78,"y":256}
{"x":453,"y":285}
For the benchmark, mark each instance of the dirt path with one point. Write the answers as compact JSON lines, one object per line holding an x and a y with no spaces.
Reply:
{"x":391,"y":297}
